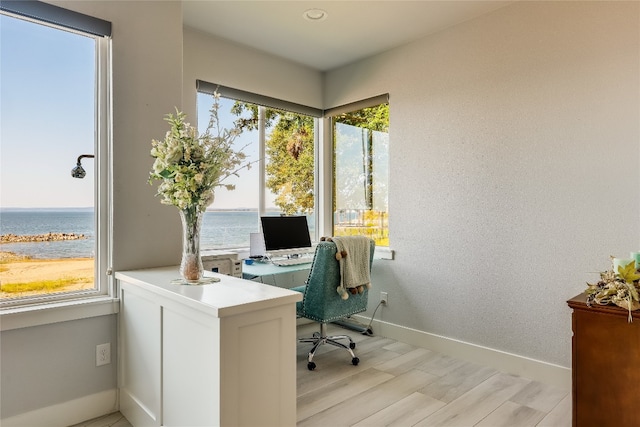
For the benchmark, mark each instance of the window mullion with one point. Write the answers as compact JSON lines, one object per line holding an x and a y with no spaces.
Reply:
{"x":262,"y":162}
{"x":324,"y":178}
{"x":103,"y":150}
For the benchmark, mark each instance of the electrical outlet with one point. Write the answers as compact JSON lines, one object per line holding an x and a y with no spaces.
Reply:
{"x":384,"y":297}
{"x":103,"y":354}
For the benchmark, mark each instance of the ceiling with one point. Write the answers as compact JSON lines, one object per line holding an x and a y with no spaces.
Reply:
{"x":352,"y":30}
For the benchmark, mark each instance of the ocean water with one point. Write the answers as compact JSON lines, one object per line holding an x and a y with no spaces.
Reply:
{"x":43,"y":221}
{"x":220,"y":229}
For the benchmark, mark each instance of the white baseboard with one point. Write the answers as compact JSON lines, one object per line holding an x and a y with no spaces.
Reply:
{"x":547,"y":373}
{"x":67,"y":413}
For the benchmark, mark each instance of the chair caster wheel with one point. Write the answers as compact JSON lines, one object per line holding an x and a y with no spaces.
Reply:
{"x":352,"y":345}
{"x":311,"y":365}
{"x":355,"y":361}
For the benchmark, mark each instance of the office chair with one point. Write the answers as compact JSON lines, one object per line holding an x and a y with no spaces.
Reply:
{"x":322,"y":303}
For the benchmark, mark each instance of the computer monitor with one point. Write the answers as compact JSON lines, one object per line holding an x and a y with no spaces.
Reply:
{"x":285,"y":232}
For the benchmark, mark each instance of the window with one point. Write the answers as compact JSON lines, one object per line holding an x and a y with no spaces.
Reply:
{"x":55,"y":117}
{"x":361,"y":170}
{"x":280,"y":139}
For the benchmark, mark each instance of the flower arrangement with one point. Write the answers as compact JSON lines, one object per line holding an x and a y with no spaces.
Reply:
{"x":190,"y":166}
{"x":621,"y":288}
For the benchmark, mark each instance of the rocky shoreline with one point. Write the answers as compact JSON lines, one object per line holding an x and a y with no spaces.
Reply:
{"x":48,"y":237}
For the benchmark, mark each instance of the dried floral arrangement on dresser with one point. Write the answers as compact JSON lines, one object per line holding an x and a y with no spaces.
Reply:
{"x":620,"y":285}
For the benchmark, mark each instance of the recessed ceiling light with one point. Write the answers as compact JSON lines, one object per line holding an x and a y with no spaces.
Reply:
{"x":315,"y":15}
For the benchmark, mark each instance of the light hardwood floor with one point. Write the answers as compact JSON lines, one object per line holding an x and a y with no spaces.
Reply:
{"x":397,"y":384}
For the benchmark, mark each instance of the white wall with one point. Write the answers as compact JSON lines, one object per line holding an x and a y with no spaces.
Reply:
{"x":45,"y":367}
{"x":51,"y":364}
{"x":221,"y":62}
{"x":515,"y":169}
{"x":147,"y":76}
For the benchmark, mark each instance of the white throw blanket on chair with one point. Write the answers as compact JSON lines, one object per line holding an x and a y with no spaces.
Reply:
{"x":354,"y":267}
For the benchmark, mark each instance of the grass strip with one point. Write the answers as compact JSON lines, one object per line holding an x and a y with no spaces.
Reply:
{"x":43,"y":285}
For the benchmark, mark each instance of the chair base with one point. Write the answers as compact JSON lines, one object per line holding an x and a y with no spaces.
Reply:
{"x":320,"y":338}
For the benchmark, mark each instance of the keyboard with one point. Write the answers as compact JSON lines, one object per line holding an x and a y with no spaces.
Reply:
{"x":292,"y":261}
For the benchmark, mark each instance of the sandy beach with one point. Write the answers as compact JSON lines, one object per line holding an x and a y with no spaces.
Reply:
{"x":15,"y":269}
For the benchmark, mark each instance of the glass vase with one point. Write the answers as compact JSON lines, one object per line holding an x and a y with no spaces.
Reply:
{"x":191,"y":265}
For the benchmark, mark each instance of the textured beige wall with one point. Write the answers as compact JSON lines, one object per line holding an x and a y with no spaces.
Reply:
{"x":515,"y":169}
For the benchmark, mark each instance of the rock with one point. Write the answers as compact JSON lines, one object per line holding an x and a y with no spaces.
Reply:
{"x":49,"y":237}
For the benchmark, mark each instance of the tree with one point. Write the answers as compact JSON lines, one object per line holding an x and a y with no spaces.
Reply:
{"x":290,"y":170}
{"x":373,"y":118}
{"x":290,"y":149}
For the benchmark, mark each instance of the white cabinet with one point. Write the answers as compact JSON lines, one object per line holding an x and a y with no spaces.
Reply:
{"x":207,"y":355}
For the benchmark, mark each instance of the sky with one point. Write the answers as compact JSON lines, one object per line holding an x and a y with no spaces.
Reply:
{"x":47,"y":97}
{"x":46,"y":115}
{"x":246,"y":193}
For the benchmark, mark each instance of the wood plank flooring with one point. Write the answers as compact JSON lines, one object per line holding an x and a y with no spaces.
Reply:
{"x":396,"y":384}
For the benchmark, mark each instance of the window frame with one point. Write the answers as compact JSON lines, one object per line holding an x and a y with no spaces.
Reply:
{"x":323,"y":153}
{"x":81,"y":303}
{"x":264,"y":103}
{"x":384,"y":252}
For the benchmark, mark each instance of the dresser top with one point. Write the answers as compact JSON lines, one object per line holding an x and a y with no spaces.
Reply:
{"x":579,"y":302}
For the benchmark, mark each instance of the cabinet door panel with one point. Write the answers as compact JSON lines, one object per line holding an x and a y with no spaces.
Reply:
{"x":139,"y":361}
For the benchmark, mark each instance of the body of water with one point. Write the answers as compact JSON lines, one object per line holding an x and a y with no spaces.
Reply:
{"x":220,"y":229}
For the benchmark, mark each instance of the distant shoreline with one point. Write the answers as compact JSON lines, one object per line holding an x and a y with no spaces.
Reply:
{"x":45,"y":237}
{"x":19,"y":209}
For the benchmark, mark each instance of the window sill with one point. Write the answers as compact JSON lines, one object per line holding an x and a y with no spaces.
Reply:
{"x":383,"y":252}
{"x":44,"y":314}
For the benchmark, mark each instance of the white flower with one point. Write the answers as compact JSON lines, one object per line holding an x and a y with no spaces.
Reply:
{"x":190,"y":166}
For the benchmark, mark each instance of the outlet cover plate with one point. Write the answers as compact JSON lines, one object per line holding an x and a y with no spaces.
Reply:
{"x":103,"y":354}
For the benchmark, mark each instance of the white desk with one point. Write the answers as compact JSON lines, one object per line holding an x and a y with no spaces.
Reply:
{"x":288,"y":277}
{"x":216,"y":354}
{"x":284,"y":277}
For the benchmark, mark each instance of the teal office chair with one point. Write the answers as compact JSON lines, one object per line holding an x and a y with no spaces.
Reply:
{"x":323,"y":304}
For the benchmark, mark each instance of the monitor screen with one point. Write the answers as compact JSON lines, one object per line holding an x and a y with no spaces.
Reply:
{"x":285,"y":232}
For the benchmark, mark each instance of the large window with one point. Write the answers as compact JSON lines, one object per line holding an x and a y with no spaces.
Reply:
{"x":293,"y":169}
{"x":361,"y":172}
{"x":55,"y":118}
{"x":281,"y":181}
{"x":282,"y":139}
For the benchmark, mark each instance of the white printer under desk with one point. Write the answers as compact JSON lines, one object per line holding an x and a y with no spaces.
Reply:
{"x":223,"y":262}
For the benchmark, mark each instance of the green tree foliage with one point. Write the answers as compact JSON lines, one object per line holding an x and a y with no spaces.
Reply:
{"x":290,"y":169}
{"x":290,"y":149}
{"x":373,"y":118}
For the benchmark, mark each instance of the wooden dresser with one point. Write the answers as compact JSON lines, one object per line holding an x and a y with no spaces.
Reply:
{"x":606,"y":365}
